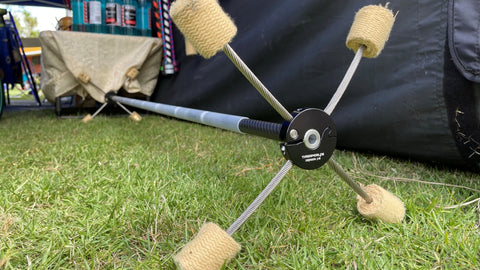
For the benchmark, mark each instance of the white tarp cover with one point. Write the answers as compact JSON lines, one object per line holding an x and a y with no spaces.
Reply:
{"x":106,"y":59}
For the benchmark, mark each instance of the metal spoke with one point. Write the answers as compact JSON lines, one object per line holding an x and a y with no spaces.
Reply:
{"x":345,"y":177}
{"x":260,"y":198}
{"x":267,"y":95}
{"x":346,"y":80}
{"x":99,"y":109}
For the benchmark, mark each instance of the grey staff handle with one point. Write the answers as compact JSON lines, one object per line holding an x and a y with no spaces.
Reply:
{"x":235,"y":123}
{"x":219,"y":120}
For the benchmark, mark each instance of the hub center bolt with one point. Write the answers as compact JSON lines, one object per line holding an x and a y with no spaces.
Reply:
{"x":312,"y":139}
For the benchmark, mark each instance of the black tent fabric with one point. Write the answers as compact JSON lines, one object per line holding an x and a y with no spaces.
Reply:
{"x":412,"y":101}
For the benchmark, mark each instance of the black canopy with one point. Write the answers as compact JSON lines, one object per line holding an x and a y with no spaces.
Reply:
{"x":412,"y":101}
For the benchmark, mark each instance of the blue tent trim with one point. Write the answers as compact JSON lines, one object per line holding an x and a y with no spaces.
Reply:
{"x":10,"y":59}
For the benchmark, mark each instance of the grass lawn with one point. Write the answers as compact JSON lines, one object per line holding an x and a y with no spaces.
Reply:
{"x":16,"y":94}
{"x":116,"y":194}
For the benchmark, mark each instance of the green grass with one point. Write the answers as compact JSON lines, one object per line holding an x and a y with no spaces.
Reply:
{"x":16,"y":94}
{"x":116,"y":194}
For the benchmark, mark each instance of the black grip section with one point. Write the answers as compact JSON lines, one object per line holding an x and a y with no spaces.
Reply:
{"x":261,"y":128}
{"x":109,"y":95}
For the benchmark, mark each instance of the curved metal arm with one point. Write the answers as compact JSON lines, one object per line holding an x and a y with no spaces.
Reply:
{"x":345,"y":177}
{"x":346,"y":80}
{"x":260,"y":198}
{"x":267,"y":95}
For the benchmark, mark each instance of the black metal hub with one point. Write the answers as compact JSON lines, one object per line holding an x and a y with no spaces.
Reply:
{"x":310,"y":139}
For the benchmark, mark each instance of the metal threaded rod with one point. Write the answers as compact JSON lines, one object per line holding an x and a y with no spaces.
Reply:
{"x":267,"y":95}
{"x":345,"y":177}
